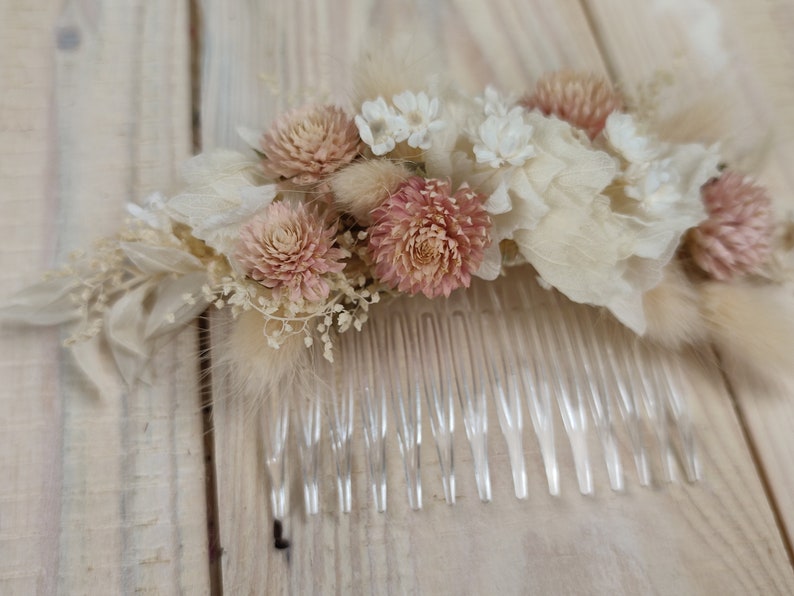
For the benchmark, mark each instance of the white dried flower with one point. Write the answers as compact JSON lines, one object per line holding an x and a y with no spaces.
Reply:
{"x":504,"y":139}
{"x":622,"y":134}
{"x":655,"y":185}
{"x":494,"y":103}
{"x":659,"y":187}
{"x":419,"y":117}
{"x":380,"y":127}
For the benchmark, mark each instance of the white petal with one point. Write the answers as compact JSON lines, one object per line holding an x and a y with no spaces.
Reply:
{"x":45,"y":303}
{"x":168,"y":299}
{"x":252,"y":137}
{"x":364,"y":130}
{"x":499,"y":202}
{"x":375,"y":110}
{"x":384,"y":147}
{"x":160,"y":259}
{"x":491,"y":265}
{"x":405,"y":102}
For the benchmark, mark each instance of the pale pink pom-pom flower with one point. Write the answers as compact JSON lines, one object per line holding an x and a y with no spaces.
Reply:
{"x":307,"y":144}
{"x":735,"y":239}
{"x":289,"y":249}
{"x":426,"y":239}
{"x":583,"y":100}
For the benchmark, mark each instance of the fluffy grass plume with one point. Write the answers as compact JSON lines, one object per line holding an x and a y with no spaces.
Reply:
{"x":672,"y":310}
{"x":406,"y":63}
{"x":752,"y":327}
{"x":255,"y":368}
{"x":363,"y":186}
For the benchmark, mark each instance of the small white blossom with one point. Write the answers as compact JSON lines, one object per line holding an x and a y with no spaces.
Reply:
{"x":504,"y":139}
{"x":655,"y":185}
{"x":622,"y":134}
{"x":380,"y":127}
{"x":419,"y":116}
{"x":494,"y":104}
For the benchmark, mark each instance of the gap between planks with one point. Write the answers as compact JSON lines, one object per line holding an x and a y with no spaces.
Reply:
{"x":214,"y":546}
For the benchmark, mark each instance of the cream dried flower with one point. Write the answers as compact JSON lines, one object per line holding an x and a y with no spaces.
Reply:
{"x":380,"y":127}
{"x":419,"y":115}
{"x":289,"y":249}
{"x":735,"y":239}
{"x":427,"y":239}
{"x":504,"y":139}
{"x":307,"y":144}
{"x":494,"y":103}
{"x":583,"y":100}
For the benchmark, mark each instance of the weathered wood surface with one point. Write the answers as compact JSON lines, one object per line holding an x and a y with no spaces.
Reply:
{"x":101,"y":493}
{"x":732,"y":63}
{"x":719,"y":535}
{"x":106,"y":493}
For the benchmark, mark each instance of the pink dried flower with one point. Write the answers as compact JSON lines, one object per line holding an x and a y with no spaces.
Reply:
{"x":735,"y":239}
{"x":309,"y":143}
{"x":583,"y":100}
{"x":426,"y":239}
{"x":289,"y":249}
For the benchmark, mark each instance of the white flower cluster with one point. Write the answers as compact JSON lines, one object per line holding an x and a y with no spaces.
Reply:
{"x":411,"y":117}
{"x":598,"y":220}
{"x":503,"y":137}
{"x":294,"y":235}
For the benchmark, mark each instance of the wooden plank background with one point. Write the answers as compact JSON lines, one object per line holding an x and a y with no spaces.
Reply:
{"x":106,"y":492}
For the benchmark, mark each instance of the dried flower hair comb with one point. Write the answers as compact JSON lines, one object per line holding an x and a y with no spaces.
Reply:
{"x":564,"y":195}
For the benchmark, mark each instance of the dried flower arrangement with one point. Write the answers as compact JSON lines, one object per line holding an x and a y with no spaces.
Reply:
{"x":423,"y":187}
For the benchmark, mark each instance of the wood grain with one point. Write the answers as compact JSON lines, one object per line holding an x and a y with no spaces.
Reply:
{"x":744,"y":51}
{"x":718,"y":536}
{"x":103,"y":489}
{"x":102,"y":493}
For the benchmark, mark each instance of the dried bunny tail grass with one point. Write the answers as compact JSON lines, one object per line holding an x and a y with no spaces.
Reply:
{"x":752,"y":327}
{"x":672,"y":310}
{"x":665,"y":102}
{"x":409,"y":63}
{"x":704,"y":120}
{"x":255,"y":368}
{"x":361,"y":187}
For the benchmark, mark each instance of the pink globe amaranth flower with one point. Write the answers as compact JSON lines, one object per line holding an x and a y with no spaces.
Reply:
{"x":736,"y":237}
{"x":288,"y":249}
{"x":583,"y":100}
{"x":426,"y":239}
{"x":307,"y":144}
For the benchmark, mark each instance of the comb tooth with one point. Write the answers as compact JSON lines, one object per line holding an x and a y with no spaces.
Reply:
{"x":569,"y":401}
{"x":309,"y":450}
{"x":372,"y":398}
{"x":670,"y":380}
{"x":406,"y":399}
{"x":591,"y":365}
{"x":340,"y":416}
{"x":621,"y":373}
{"x":663,"y":397}
{"x":572,"y":410}
{"x":655,"y":410}
{"x":468,"y":382}
{"x":503,"y":383}
{"x":492,"y":350}
{"x":274,"y":418}
{"x":535,"y":377}
{"x":434,"y":354}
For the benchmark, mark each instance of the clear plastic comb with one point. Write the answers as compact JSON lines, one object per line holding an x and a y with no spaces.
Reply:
{"x":507,"y":347}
